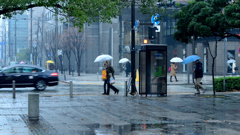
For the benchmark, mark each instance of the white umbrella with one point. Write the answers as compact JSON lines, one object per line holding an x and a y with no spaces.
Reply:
{"x":123,"y":60}
{"x":176,"y":59}
{"x":103,"y":57}
{"x":231,"y":61}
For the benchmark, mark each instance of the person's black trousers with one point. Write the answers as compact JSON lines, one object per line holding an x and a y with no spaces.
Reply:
{"x":112,"y":87}
{"x":104,"y":86}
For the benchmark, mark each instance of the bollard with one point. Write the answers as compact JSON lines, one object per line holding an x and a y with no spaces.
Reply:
{"x":97,"y":76}
{"x":125,"y":88}
{"x":13,"y":86}
{"x":64,"y":76}
{"x":33,"y":106}
{"x":72,"y":71}
{"x":71,"y":89}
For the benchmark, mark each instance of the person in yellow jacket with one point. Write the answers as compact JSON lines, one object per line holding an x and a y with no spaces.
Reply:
{"x":105,"y":80}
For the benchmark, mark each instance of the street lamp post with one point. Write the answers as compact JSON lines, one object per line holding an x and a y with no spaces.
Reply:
{"x":15,"y":40}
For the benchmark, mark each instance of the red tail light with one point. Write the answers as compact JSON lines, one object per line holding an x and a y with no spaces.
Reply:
{"x":54,"y":74}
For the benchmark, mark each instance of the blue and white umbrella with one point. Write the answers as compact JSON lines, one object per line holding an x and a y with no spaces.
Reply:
{"x":231,"y":61}
{"x":190,"y":59}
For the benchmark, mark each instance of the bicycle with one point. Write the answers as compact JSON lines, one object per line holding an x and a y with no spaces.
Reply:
{"x":129,"y":82}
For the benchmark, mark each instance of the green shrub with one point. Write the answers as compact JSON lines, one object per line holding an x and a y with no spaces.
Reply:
{"x":230,"y":83}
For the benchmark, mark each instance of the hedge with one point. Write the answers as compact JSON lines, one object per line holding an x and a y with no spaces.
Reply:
{"x":230,"y":83}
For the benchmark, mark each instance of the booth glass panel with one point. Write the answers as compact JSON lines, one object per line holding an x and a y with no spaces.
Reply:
{"x":158,"y":72}
{"x":142,"y":72}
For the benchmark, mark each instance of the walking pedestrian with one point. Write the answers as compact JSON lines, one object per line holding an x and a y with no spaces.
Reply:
{"x":110,"y":73}
{"x":234,"y":69}
{"x":198,"y":76}
{"x":173,"y":72}
{"x":128,"y":68}
{"x":104,"y":78}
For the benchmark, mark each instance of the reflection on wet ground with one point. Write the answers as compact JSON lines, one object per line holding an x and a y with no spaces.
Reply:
{"x":90,"y":113}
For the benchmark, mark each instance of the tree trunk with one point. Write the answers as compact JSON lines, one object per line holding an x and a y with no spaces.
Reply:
{"x":69,"y":66}
{"x":78,"y":70}
{"x":61,"y":67}
{"x":213,"y":76}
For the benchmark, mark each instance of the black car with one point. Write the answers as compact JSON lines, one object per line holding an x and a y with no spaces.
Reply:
{"x":27,"y":76}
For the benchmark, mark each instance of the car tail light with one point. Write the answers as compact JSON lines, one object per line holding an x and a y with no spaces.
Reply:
{"x":54,"y":74}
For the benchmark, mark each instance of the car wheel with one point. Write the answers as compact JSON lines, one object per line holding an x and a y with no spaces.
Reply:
{"x":40,"y":85}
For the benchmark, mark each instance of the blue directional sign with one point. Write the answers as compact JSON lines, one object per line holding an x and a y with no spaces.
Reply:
{"x":155,"y":19}
{"x":136,"y":22}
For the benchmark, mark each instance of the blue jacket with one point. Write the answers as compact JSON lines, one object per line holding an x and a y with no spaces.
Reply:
{"x":198,"y":70}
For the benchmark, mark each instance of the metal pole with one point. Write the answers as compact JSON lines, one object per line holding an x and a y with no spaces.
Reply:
{"x":42,"y":41}
{"x":193,"y":53}
{"x":112,"y":44}
{"x":15,"y":39}
{"x":71,"y":89}
{"x":133,"y":72}
{"x":5,"y":46}
{"x":125,"y":88}
{"x":224,"y":60}
{"x":9,"y":40}
{"x":188,"y":64}
{"x":56,"y":66}
{"x":13,"y":83}
{"x":31,"y":41}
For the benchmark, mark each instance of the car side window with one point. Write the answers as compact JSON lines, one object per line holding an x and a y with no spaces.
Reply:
{"x":13,"y":70}
{"x":31,"y":70}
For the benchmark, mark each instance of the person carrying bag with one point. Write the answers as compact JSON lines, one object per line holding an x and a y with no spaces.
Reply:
{"x":110,"y":78}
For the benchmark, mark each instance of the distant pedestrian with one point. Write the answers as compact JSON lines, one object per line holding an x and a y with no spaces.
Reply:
{"x":104,"y":78}
{"x":198,"y":76}
{"x":234,"y":69}
{"x":51,"y":66}
{"x":127,"y":68}
{"x":173,"y":72}
{"x":110,"y":73}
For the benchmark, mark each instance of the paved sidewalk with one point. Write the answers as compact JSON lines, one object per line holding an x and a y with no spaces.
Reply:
{"x":95,"y":78}
{"x":91,"y":113}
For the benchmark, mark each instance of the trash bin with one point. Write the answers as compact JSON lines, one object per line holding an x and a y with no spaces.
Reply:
{"x":153,"y":69}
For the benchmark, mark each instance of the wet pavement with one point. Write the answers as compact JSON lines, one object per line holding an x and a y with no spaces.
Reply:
{"x":90,"y":113}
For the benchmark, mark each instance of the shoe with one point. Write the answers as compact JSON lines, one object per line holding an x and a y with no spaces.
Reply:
{"x":170,"y":80}
{"x":197,"y":93}
{"x":104,"y":93}
{"x":116,"y":92}
{"x":204,"y":90}
{"x":176,"y":80}
{"x":132,"y":94}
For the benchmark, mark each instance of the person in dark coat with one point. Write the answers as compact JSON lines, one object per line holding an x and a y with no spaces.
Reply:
{"x":128,"y":68}
{"x":198,"y":76}
{"x":110,"y":72}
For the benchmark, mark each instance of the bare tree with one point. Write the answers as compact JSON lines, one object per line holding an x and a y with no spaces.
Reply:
{"x":66,"y":50}
{"x":78,"y":43}
{"x":50,"y":47}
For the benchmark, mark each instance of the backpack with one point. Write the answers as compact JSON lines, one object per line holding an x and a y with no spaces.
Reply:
{"x":169,"y":69}
{"x":236,"y":68}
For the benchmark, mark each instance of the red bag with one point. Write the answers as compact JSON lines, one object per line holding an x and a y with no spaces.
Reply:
{"x":169,"y":69}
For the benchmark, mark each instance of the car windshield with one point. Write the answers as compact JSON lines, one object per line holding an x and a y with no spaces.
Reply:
{"x":3,"y":69}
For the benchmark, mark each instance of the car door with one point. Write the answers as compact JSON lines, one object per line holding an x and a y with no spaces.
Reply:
{"x":9,"y":75}
{"x":29,"y":75}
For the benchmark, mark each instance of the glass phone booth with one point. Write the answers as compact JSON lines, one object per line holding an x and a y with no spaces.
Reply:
{"x":153,"y":69}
